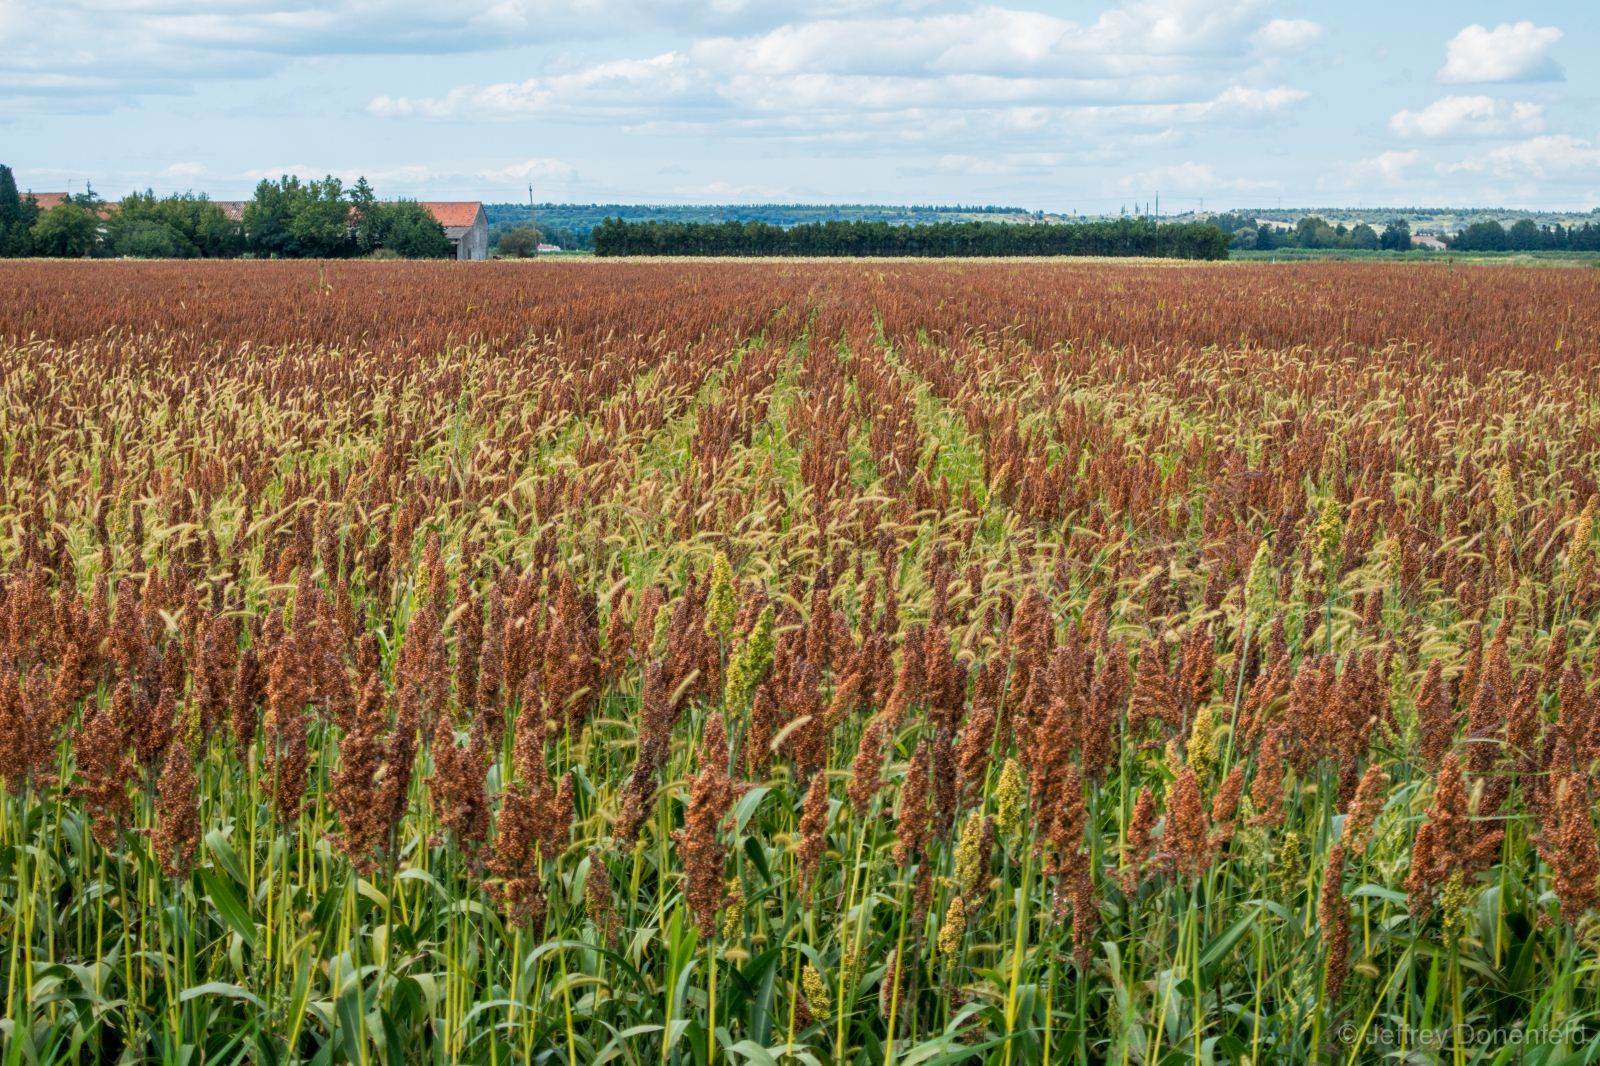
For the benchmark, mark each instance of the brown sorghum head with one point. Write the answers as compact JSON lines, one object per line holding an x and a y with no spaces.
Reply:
{"x":177,"y":833}
{"x":1436,"y":719}
{"x":867,"y":766}
{"x":911,"y":827}
{"x":1187,"y":829}
{"x":1575,"y":861}
{"x":813,"y":831}
{"x":597,"y":897}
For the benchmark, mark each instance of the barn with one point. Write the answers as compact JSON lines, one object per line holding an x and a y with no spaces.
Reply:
{"x":465,"y":224}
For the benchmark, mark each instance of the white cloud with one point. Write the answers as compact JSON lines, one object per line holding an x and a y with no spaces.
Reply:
{"x":1469,"y":116}
{"x":1288,"y":35}
{"x":184,"y":170}
{"x":93,"y":49}
{"x":1550,"y":156}
{"x":1387,"y":168}
{"x":1505,"y":53}
{"x":1190,"y":177}
{"x":727,"y":192}
{"x":988,"y":72}
{"x":542,"y":172}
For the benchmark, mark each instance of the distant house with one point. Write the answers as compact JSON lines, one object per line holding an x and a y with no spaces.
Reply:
{"x":234,"y":209}
{"x":48,"y":200}
{"x":1429,"y":244}
{"x":549,"y":247}
{"x":465,"y":224}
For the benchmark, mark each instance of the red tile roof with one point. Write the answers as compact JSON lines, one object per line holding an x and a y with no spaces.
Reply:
{"x":48,"y":200}
{"x":454,"y":213}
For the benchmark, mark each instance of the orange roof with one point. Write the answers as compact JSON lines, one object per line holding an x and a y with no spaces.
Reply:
{"x":454,"y":213}
{"x":48,"y":200}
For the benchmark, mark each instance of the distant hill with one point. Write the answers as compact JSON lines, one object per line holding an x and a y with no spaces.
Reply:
{"x":1424,"y":220}
{"x":581,"y":218}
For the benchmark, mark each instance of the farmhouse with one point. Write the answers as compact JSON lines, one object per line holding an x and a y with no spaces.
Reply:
{"x":465,"y":224}
{"x":1431,"y":244}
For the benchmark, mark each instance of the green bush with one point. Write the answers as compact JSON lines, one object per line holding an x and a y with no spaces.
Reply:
{"x":65,"y":231}
{"x":403,"y":227}
{"x":518,"y":242}
{"x":147,"y":239}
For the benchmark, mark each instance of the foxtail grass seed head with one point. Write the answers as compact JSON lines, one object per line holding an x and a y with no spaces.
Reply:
{"x":952,"y":934}
{"x":733,"y":911}
{"x":1330,"y":532}
{"x":1453,"y":901}
{"x":1261,"y":589}
{"x":721,"y":608}
{"x":1505,"y":496}
{"x":816,"y":992}
{"x":1009,"y":797}
{"x":658,"y":642}
{"x":752,"y":660}
{"x":968,"y":874}
{"x":1202,"y":746}
{"x":1288,"y":859}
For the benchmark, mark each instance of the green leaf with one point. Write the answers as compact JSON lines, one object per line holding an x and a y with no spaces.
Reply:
{"x":230,"y":906}
{"x":754,"y":1052}
{"x":226,"y":857}
{"x":1379,"y":892}
{"x":426,"y":878}
{"x":366,"y":888}
{"x":351,"y":1030}
{"x":758,"y":858}
{"x":747,"y":806}
{"x":1218,"y":949}
{"x":220,"y":988}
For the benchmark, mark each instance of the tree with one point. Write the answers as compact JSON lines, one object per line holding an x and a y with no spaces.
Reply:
{"x":516,"y":243}
{"x":148,"y":239}
{"x":288,"y":218}
{"x":66,"y":230}
{"x":1525,"y":237}
{"x":10,"y":202}
{"x":1314,"y":232}
{"x":217,"y":235}
{"x":403,"y":227}
{"x":321,"y":220}
{"x":1486,"y":236}
{"x":17,"y":217}
{"x":1396,"y":236}
{"x":1364,"y":237}
{"x":149,"y":228}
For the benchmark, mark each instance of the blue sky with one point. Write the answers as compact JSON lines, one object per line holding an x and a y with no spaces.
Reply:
{"x":1067,"y":106}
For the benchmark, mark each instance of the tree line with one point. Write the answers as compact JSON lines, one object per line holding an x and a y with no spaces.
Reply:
{"x":1526,"y":236}
{"x":1313,"y":232}
{"x":1123,"y":237}
{"x":286,"y":219}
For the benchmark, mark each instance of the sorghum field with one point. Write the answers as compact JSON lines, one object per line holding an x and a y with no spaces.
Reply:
{"x":798,"y":663}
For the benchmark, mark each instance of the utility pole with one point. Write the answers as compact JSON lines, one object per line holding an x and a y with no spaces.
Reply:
{"x":1158,"y":205}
